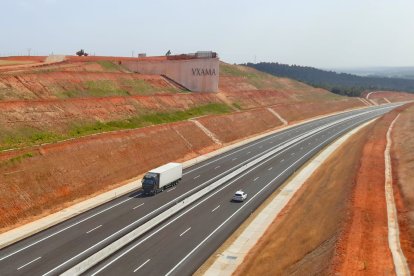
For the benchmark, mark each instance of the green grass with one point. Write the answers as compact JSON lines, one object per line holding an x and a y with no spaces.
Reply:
{"x":104,"y":88}
{"x":257,"y":79}
{"x":17,"y":159}
{"x":31,"y":137}
{"x":149,"y":119}
{"x":28,"y":137}
{"x":237,"y":105}
{"x":142,"y":87}
{"x":109,"y":66}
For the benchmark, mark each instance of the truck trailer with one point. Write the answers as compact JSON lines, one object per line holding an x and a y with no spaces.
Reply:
{"x":161,"y":178}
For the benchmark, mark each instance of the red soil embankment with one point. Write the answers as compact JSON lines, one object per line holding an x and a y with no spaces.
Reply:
{"x":25,"y":58}
{"x":300,"y":111}
{"x":59,"y":173}
{"x":392,"y":96}
{"x":337,"y":223}
{"x":363,"y":246}
{"x":59,"y":115}
{"x":402,"y":153}
{"x":301,"y":240}
{"x":294,"y":104}
{"x":51,"y":85}
{"x":239,"y":125}
{"x":54,"y":175}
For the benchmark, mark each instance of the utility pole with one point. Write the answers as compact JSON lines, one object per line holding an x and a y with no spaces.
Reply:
{"x":28,"y":51}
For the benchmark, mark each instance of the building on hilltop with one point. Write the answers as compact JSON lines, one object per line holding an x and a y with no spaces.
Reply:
{"x":197,"y":72}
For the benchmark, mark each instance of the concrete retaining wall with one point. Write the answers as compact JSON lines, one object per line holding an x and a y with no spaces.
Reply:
{"x":199,"y":75}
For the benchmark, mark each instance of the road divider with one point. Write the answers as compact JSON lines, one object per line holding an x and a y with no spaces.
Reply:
{"x":180,"y":204}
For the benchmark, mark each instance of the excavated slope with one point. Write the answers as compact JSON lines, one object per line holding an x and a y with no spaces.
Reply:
{"x":41,"y":179}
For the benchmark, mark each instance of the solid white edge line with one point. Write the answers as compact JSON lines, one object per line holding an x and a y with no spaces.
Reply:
{"x":272,"y":136}
{"x":400,"y":262}
{"x":327,"y":126}
{"x":172,"y":189}
{"x":221,"y":225}
{"x":138,"y":268}
{"x":61,"y":230}
{"x":197,"y":204}
{"x":243,"y":148}
{"x":29,"y":263}
{"x":186,"y":211}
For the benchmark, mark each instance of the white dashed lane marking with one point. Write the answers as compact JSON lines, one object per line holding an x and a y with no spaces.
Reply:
{"x":188,"y":229}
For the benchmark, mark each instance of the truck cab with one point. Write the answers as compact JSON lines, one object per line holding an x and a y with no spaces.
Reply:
{"x":161,"y":178}
{"x":150,"y":183}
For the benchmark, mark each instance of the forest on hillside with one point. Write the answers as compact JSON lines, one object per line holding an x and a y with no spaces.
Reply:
{"x":339,"y":83}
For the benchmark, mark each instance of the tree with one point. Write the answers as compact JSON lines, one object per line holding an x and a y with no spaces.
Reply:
{"x":81,"y":53}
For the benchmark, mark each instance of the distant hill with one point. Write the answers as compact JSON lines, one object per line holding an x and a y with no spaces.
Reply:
{"x":389,"y":72}
{"x":339,"y":83}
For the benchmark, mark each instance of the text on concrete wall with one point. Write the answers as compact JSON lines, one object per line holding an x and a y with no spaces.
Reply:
{"x":203,"y":71}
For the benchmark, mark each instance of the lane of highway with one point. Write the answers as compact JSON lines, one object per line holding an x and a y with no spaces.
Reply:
{"x":180,"y":245}
{"x":92,"y":230}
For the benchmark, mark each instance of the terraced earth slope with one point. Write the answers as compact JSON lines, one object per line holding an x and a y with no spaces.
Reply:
{"x":75,"y":128}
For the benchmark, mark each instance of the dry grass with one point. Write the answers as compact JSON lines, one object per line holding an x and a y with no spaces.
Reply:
{"x":13,"y":62}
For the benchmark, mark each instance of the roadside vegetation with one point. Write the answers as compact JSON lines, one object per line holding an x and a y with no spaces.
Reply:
{"x":110,"y":66}
{"x":31,"y":137}
{"x":17,"y":159}
{"x":105,"y":88}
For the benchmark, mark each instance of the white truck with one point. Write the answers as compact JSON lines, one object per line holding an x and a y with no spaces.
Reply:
{"x":161,"y":178}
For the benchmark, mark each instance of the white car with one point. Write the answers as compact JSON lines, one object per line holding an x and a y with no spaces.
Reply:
{"x":239,"y":196}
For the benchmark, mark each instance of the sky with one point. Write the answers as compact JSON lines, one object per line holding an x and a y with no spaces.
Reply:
{"x":318,"y":33}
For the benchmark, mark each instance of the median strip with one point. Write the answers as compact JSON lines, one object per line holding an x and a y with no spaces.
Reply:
{"x":121,"y":242}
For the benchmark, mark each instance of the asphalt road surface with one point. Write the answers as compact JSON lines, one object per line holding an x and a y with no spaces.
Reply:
{"x":182,"y":243}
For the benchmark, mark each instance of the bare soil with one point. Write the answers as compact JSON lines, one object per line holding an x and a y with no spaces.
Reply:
{"x":301,"y":241}
{"x":392,"y":96}
{"x":39,"y":180}
{"x":402,"y":155}
{"x":363,"y":244}
{"x":337,"y":223}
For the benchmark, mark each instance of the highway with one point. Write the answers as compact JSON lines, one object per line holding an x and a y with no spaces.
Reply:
{"x":182,"y":243}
